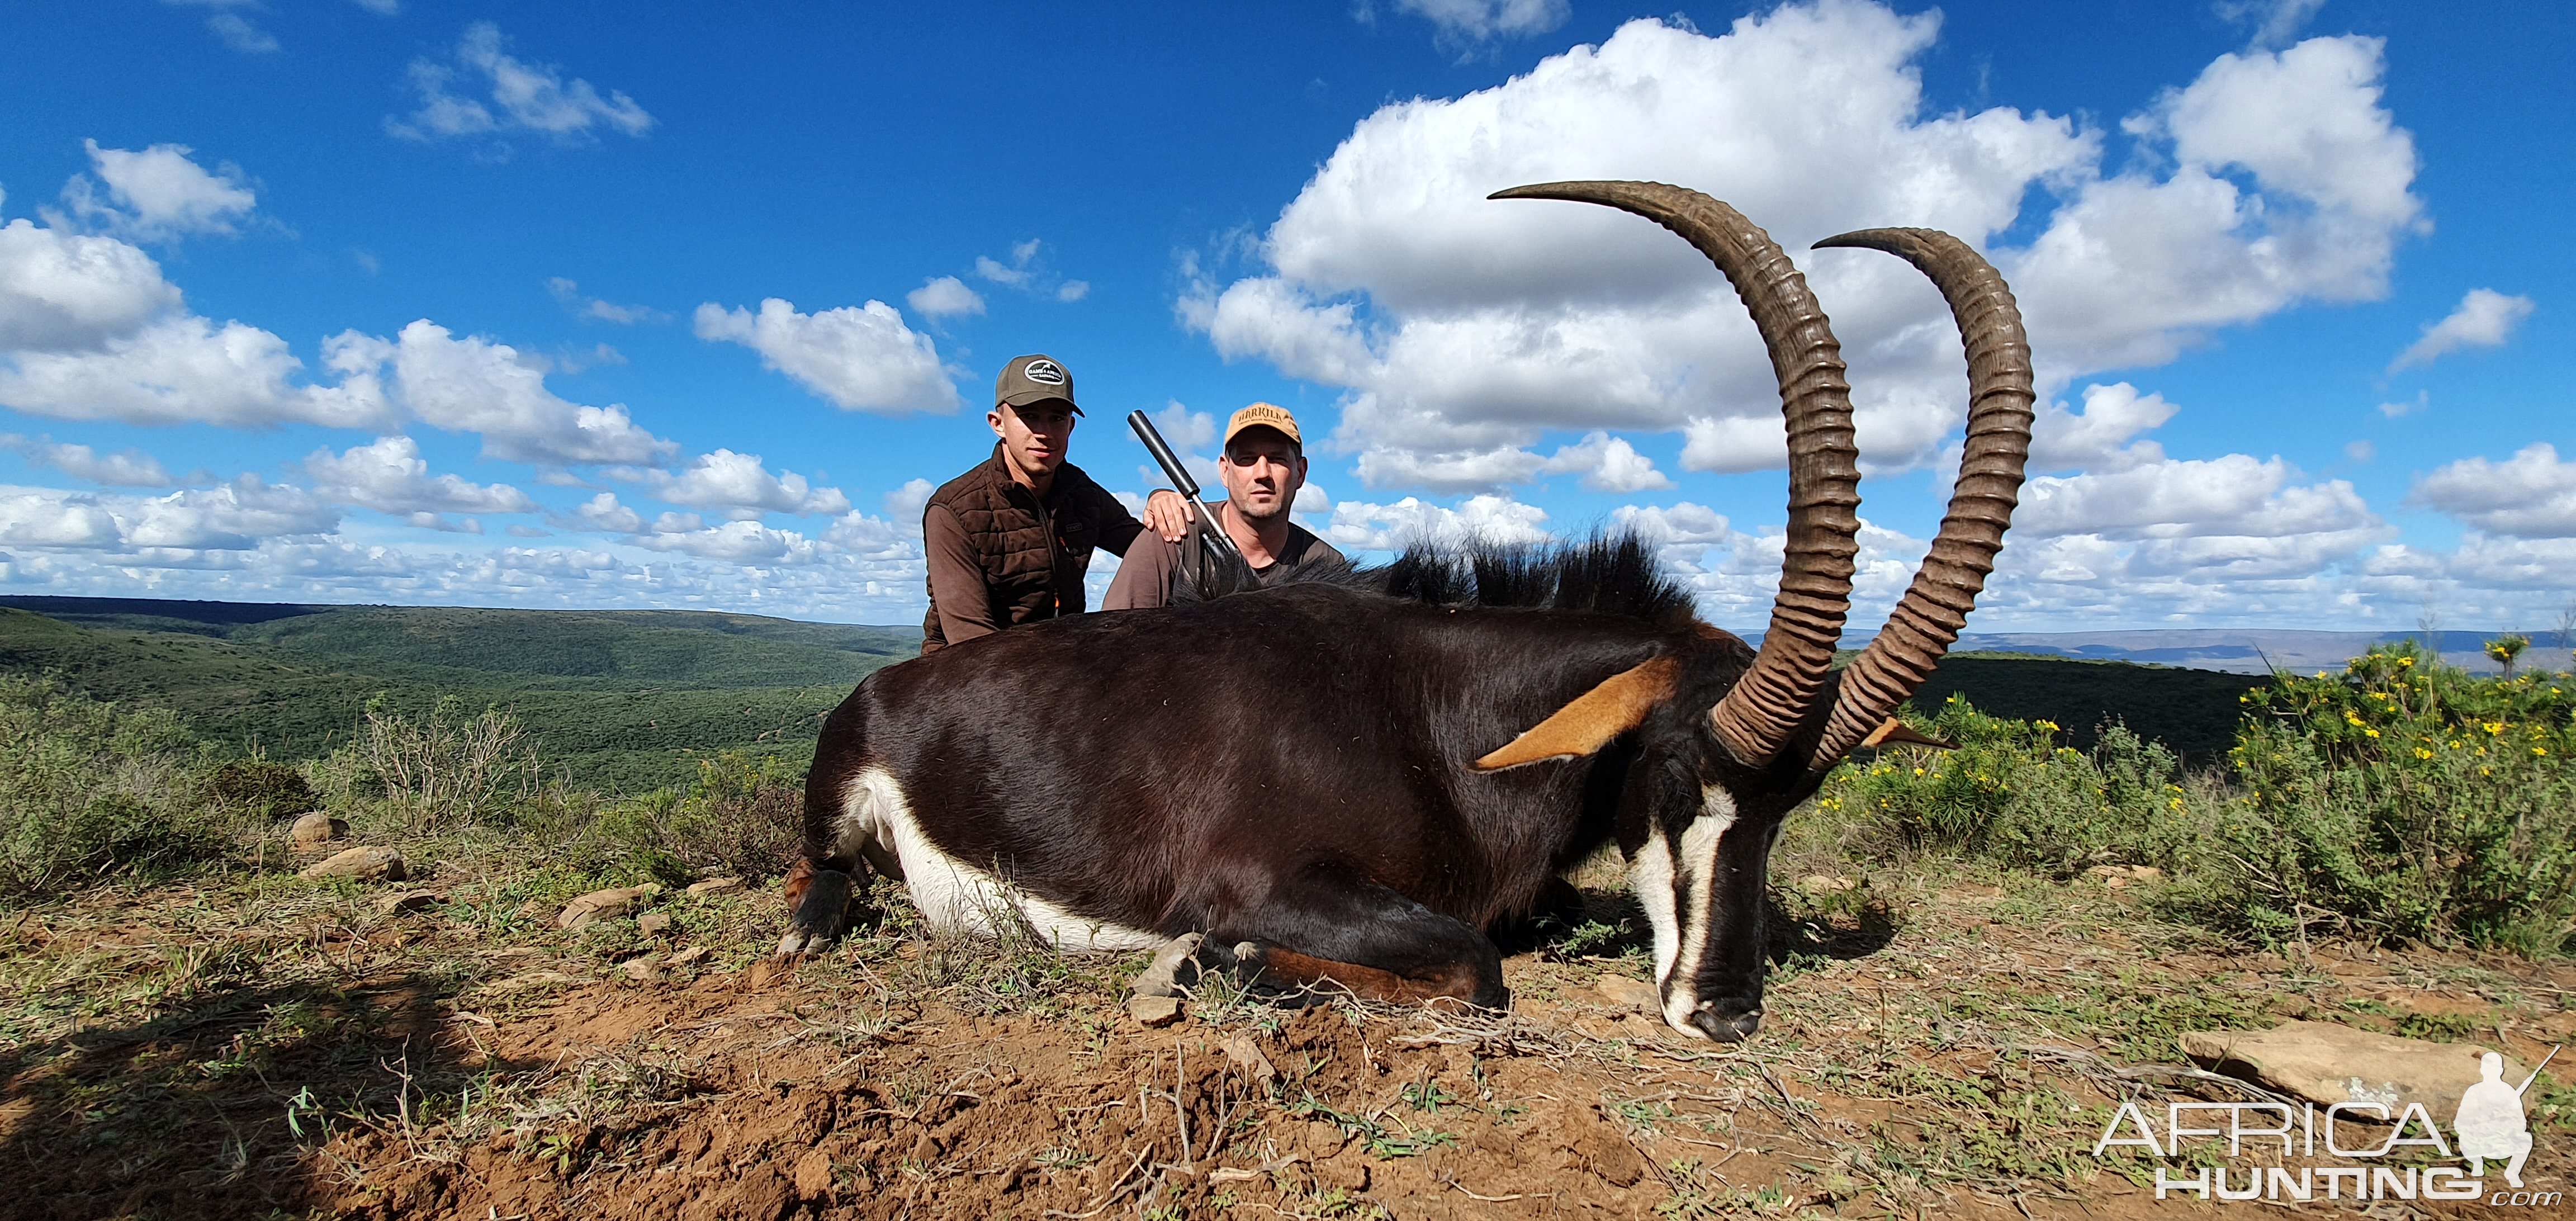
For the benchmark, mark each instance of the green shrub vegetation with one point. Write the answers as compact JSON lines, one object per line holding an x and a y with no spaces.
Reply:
{"x":90,"y":790}
{"x":620,"y":701}
{"x":2404,"y":798}
{"x":2401,"y":800}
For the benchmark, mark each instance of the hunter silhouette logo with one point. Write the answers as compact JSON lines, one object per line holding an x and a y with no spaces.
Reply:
{"x":1044,"y":372}
{"x":2490,"y":1120}
{"x":2490,"y":1125}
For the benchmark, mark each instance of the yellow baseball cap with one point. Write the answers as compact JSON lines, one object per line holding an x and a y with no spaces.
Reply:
{"x":1264,"y":415}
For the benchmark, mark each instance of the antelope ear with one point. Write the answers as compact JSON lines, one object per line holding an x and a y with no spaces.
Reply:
{"x":1894,"y":732}
{"x":1590,"y":720}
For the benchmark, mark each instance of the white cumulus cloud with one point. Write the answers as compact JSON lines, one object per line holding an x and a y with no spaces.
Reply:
{"x":1475,"y":21}
{"x":1607,"y":464}
{"x":157,"y":194}
{"x":860,"y":357}
{"x":2485,"y":319}
{"x":1463,"y":329}
{"x":2531,"y":495}
{"x":479,"y":386}
{"x":742,"y":487}
{"x":944,"y":297}
{"x":2102,"y":436}
{"x":390,"y":476}
{"x":504,"y":94}
{"x":184,"y":369}
{"x":232,"y":517}
{"x":235,"y":30}
{"x":131,"y":468}
{"x":1360,"y":526}
{"x":65,"y":291}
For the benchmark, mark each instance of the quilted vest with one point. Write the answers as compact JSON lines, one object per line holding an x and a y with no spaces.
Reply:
{"x":1034,"y":551}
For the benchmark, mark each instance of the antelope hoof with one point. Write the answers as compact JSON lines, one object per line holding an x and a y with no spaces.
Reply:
{"x":820,"y":916}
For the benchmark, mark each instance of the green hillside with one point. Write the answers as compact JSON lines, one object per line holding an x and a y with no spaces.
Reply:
{"x":617,"y":697}
{"x":613,"y":696}
{"x":2193,"y":711}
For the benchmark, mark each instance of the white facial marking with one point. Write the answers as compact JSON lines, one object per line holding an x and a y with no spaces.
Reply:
{"x":1651,"y":877}
{"x":1698,"y":884}
{"x":953,"y":895}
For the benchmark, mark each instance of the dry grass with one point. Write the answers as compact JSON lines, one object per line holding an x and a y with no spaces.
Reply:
{"x":1931,"y":1038}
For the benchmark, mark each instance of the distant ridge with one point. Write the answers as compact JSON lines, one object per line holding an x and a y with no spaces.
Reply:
{"x":162,"y":608}
{"x":2255,"y":650}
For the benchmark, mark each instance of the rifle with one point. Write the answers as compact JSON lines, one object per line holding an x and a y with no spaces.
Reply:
{"x":1182,"y":483}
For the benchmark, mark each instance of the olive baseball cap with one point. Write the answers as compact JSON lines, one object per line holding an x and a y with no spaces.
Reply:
{"x":1264,"y":415}
{"x":1033,"y":379}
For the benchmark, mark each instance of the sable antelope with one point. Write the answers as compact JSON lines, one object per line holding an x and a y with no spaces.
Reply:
{"x":1364,"y":776}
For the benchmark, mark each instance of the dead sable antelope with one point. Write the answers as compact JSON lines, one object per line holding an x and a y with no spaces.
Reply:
{"x":1364,"y":776}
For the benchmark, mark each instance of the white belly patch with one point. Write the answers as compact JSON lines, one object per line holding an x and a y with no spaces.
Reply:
{"x":955,"y":896}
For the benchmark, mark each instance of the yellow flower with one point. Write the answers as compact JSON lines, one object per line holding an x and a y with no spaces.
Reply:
{"x":2372,"y":732}
{"x":2406,"y":661}
{"x":2422,"y":753}
{"x":2540,"y":750}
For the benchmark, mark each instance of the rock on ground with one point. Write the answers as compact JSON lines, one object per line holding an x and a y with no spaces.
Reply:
{"x":606,"y":904}
{"x":1629,"y":993}
{"x":715,"y":886}
{"x":407,"y":901}
{"x":363,"y":864}
{"x":2325,"y":1063}
{"x":316,"y":829}
{"x":1154,"y":1012}
{"x":1163,"y":977}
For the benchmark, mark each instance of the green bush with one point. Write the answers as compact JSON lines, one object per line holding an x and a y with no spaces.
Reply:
{"x":742,"y":817}
{"x":2407,"y":799}
{"x":444,"y":771}
{"x":257,"y":788}
{"x":90,"y":789}
{"x":2010,"y":793}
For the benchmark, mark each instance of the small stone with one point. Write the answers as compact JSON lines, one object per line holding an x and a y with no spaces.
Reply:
{"x":1154,"y":1012}
{"x":2325,"y":1063}
{"x":316,"y":829}
{"x":362,"y":864}
{"x":2119,"y":876}
{"x":606,"y":904}
{"x":1163,"y":977}
{"x":653,"y":924}
{"x":407,"y":901}
{"x":643,"y":970}
{"x":1628,"y":993}
{"x":688,"y":956}
{"x":1247,"y":1056}
{"x":715,"y":886}
{"x":1822,"y":884}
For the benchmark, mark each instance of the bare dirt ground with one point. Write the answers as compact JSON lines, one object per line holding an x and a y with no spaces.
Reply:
{"x":262,"y":1046}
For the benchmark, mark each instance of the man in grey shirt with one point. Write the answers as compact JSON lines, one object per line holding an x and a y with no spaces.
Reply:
{"x":1263,"y":467}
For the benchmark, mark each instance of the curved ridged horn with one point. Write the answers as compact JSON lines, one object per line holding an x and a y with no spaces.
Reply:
{"x":1945,"y":589}
{"x":1757,"y":717}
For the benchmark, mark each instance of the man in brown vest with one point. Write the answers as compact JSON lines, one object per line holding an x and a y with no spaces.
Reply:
{"x":1009,"y":541}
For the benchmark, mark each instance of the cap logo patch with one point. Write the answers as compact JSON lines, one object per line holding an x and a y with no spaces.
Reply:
{"x":1044,"y":372}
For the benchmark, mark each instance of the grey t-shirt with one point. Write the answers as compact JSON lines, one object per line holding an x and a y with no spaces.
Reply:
{"x":1147,"y":572}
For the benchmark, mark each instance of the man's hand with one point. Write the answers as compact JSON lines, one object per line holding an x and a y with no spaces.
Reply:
{"x":1168,"y":513}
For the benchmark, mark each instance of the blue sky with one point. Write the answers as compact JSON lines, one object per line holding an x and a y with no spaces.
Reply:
{"x":397,"y":301}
